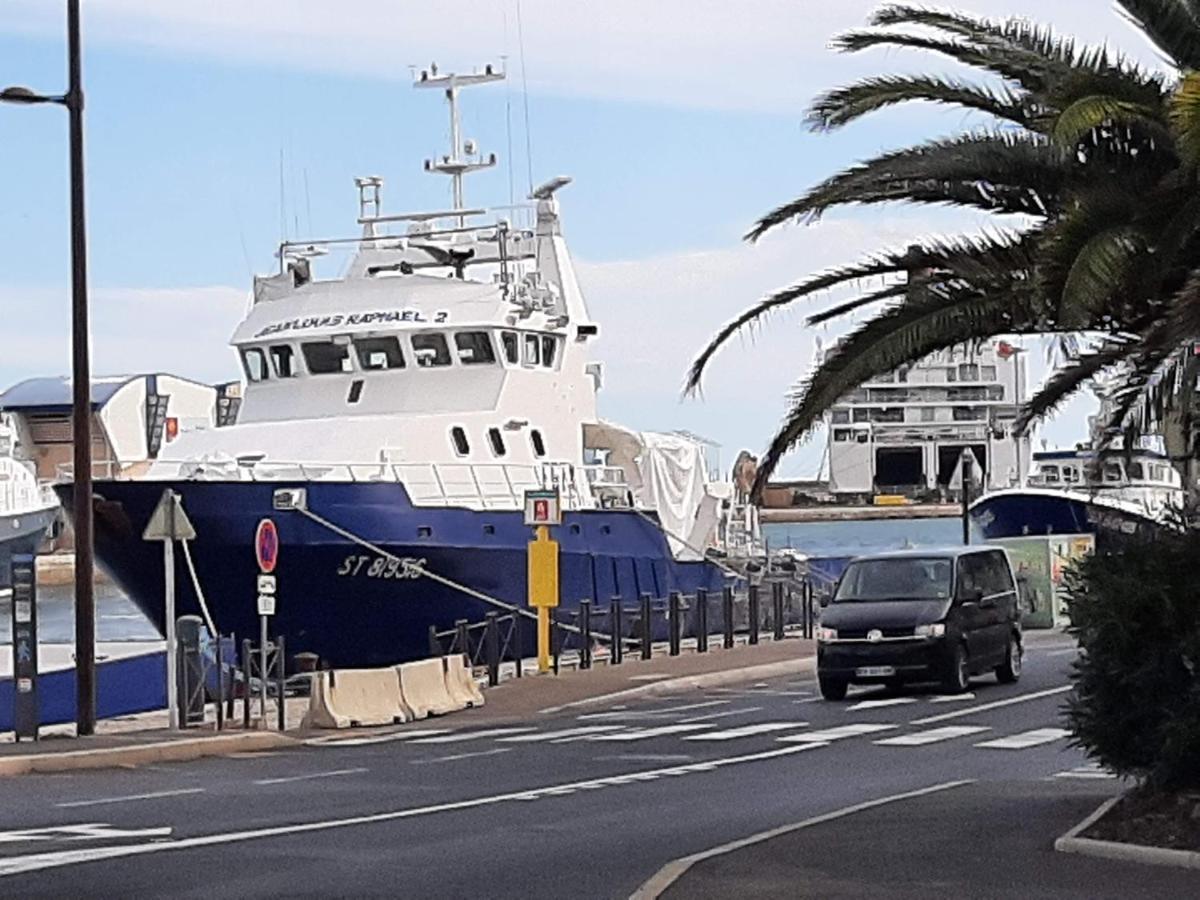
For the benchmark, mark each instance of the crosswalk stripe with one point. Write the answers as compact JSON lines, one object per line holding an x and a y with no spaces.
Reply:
{"x":1092,"y":771}
{"x":470,"y":735}
{"x":745,"y":731}
{"x":332,"y":741}
{"x":561,"y":735}
{"x":952,"y":698}
{"x":834,"y":734}
{"x":644,"y":733}
{"x":932,"y":736}
{"x":876,"y":704}
{"x":661,"y":711}
{"x":1026,"y":739}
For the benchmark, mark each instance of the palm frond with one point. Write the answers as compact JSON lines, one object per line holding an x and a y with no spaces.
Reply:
{"x":1098,"y":276}
{"x":843,"y":105}
{"x":1172,"y":25}
{"x":1068,"y":380}
{"x":1094,"y":111}
{"x":887,"y":293}
{"x":1184,"y":113}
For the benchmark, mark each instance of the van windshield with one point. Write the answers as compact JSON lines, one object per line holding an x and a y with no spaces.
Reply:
{"x":911,"y":578}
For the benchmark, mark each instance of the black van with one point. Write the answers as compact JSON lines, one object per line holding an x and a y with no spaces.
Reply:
{"x":921,"y":615}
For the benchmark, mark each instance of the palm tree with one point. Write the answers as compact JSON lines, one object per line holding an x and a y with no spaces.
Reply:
{"x":1098,"y":157}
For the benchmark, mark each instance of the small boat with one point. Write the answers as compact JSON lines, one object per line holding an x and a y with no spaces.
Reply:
{"x":28,"y":509}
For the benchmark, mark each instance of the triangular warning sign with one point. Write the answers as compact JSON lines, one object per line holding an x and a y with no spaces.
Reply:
{"x":169,"y":522}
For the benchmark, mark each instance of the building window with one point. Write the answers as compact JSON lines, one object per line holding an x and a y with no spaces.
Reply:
{"x":1070,"y":474}
{"x":379,"y":353}
{"x":968,"y":372}
{"x":928,"y":414}
{"x":509,"y":340}
{"x":951,"y":374}
{"x":840,"y":417}
{"x":474,"y":348}
{"x":431,"y":350}
{"x":539,"y":446}
{"x":326,"y":357}
{"x":902,"y":374}
{"x":497,"y":442}
{"x":1050,"y":473}
{"x":841,"y":435}
{"x":988,"y":373}
{"x":283,"y":361}
{"x":458,"y":438}
{"x":255,"y":363}
{"x":862,"y":415}
{"x":892,"y":414}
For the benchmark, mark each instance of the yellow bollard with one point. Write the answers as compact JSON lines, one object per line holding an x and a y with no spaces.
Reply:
{"x":543,"y":588}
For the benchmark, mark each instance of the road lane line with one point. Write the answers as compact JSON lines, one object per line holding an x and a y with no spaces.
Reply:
{"x":836,"y":734}
{"x":952,"y":698}
{"x":647,"y":733}
{"x":674,"y":870}
{"x":877,"y":704}
{"x":971,"y":710}
{"x":721,"y":715}
{"x":621,"y":713}
{"x":331,"y":774}
{"x":457,"y":736}
{"x":1065,"y":652}
{"x":1026,"y":739}
{"x":561,"y":734}
{"x":457,"y":756}
{"x":334,"y":741}
{"x":35,"y":862}
{"x":745,"y":731}
{"x":932,"y":736}
{"x":151,"y":796}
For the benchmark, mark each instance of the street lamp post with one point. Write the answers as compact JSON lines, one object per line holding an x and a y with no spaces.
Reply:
{"x":81,"y":401}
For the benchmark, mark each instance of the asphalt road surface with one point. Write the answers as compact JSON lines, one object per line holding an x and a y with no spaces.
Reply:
{"x":593,"y":804}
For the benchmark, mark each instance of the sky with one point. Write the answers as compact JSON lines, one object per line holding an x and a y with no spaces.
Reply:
{"x":215,"y":126}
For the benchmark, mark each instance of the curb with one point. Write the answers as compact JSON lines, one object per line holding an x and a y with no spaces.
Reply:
{"x":695,"y":682}
{"x":182,"y":750}
{"x":1122,"y":852}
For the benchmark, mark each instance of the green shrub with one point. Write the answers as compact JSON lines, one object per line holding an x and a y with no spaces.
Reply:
{"x":1135,"y":610}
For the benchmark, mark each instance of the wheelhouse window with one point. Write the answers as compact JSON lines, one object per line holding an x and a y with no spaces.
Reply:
{"x":1070,"y":475}
{"x":458,"y":438}
{"x":326,"y":357}
{"x":1050,"y":474}
{"x":1136,"y":472}
{"x":511,"y":350}
{"x":431,"y":350}
{"x":497,"y":441}
{"x":255,"y":363}
{"x":1112,"y":473}
{"x":539,"y":445}
{"x":533,"y":354}
{"x":283,"y":361}
{"x":549,"y":350}
{"x":474,"y":348}
{"x":379,"y":353}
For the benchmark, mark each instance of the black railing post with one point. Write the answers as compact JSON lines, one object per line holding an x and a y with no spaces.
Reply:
{"x":777,"y":602}
{"x":617,"y":649}
{"x":220,"y":687}
{"x":727,"y":616}
{"x":556,"y":639}
{"x":647,"y":648}
{"x":281,"y":683}
{"x":229,"y":696}
{"x":435,"y":646}
{"x":673,"y":611}
{"x":247,"y":675}
{"x":585,"y":634}
{"x":462,"y":637}
{"x":491,"y":643}
{"x":518,"y":644}
{"x":806,"y":607}
{"x":753,"y":613}
{"x":701,"y":620}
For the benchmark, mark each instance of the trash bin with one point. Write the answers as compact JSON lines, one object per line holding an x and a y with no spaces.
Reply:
{"x":193,"y":638}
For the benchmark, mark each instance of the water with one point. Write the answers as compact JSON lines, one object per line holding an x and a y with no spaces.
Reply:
{"x":854,"y":538}
{"x":117,"y":619}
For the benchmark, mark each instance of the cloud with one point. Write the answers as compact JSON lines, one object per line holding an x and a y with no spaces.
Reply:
{"x":753,"y":54}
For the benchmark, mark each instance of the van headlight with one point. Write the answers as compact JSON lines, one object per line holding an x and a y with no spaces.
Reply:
{"x":937,"y":629}
{"x":824,"y":635}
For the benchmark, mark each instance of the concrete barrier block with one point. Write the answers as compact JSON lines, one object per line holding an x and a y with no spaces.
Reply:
{"x":349,"y":697}
{"x":423,"y":688}
{"x":461,"y":683}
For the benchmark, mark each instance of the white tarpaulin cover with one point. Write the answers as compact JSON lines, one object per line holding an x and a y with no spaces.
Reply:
{"x":673,"y":479}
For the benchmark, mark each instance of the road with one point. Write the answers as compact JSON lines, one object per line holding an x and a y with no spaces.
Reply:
{"x":593,"y":804}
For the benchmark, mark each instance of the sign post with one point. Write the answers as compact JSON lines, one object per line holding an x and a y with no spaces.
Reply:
{"x":26,"y":713}
{"x":266,"y":551}
{"x":169,"y":523}
{"x":543,"y":509}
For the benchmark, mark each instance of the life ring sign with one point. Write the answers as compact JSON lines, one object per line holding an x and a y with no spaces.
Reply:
{"x":266,"y":546}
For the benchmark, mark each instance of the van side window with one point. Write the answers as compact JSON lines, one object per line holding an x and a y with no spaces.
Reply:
{"x":972,"y":576}
{"x":255,"y":363}
{"x":1000,"y":576}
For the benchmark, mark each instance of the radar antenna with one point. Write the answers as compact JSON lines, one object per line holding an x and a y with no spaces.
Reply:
{"x":463,"y":157}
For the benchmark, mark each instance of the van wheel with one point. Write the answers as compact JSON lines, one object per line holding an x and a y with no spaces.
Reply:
{"x":833,"y":688}
{"x":958,"y":675}
{"x":1010,"y":670}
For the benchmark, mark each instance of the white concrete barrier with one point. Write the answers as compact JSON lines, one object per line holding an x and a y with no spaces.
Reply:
{"x":349,"y":697}
{"x":423,"y":688}
{"x":461,"y":683}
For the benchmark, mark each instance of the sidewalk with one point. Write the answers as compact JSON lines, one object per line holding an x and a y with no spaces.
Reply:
{"x":144,"y":739}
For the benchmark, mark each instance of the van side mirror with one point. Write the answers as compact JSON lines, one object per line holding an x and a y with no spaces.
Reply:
{"x":824,"y":600}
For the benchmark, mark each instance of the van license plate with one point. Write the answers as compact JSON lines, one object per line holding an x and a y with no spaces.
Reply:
{"x":875,"y":671}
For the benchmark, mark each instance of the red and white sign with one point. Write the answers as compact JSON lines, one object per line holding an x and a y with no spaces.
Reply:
{"x":542,"y":508}
{"x":266,"y":546}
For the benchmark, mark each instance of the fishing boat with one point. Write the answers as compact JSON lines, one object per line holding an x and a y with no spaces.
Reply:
{"x":28,"y":508}
{"x":394,"y":418}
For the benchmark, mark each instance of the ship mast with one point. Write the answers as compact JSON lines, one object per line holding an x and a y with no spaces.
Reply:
{"x":463,"y":156}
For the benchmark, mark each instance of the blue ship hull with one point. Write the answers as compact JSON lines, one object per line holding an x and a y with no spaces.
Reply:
{"x":348,"y":605}
{"x":1022,"y":514}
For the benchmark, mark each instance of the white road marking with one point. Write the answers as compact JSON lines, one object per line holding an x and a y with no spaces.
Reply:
{"x":1065,"y":652}
{"x":151,"y":796}
{"x":721,"y":715}
{"x":952,"y":698}
{"x":745,"y":731}
{"x":457,"y":736}
{"x":556,"y":736}
{"x":1026,"y":739}
{"x":1091,"y":770}
{"x":334,"y":741}
{"x":932,"y":736}
{"x":87,"y":831}
{"x":331,"y":774}
{"x":876,"y":704}
{"x":623,"y":713}
{"x":34,"y":862}
{"x":672,"y":871}
{"x":642,"y":734}
{"x":646,"y":757}
{"x":649,"y":677}
{"x":971,"y":710}
{"x":835,"y":734}
{"x":457,"y":756}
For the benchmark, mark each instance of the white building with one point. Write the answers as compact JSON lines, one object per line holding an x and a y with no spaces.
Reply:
{"x":905,"y":433}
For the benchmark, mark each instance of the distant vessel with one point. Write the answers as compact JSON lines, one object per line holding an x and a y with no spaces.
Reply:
{"x":393,"y":419}
{"x":28,"y":509}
